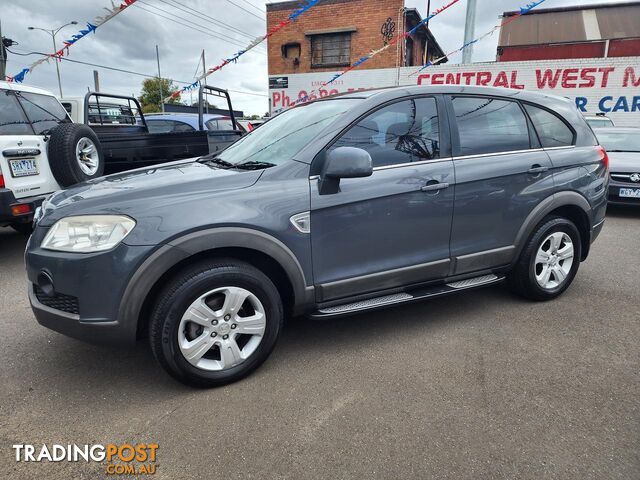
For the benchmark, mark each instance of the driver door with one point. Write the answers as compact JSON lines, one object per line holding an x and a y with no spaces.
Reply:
{"x":390,"y":229}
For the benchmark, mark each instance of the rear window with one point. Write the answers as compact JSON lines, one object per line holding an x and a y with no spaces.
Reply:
{"x":489,"y":125}
{"x":219,"y":124}
{"x":44,"y":111}
{"x":619,"y":141}
{"x":12,"y":119}
{"x":551,"y":130}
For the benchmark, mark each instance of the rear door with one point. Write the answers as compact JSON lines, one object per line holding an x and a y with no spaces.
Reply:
{"x":502,"y":174}
{"x":23,"y":152}
{"x":387,"y":230}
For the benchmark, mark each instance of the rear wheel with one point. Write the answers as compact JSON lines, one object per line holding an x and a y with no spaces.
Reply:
{"x":549,"y":261}
{"x":215,"y":323}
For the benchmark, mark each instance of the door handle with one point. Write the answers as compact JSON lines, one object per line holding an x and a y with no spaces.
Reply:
{"x":536,"y":169}
{"x":434,"y":187}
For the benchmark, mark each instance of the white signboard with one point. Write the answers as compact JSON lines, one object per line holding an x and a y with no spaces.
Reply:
{"x":607,"y":85}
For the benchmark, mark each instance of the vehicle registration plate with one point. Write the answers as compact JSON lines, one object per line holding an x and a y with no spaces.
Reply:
{"x":630,"y":192}
{"x":23,"y":167}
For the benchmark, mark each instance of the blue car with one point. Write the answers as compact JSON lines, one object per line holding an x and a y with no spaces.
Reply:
{"x":186,"y":122}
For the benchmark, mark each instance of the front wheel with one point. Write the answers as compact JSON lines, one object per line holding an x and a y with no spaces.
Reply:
{"x":549,"y":261}
{"x":215,"y":323}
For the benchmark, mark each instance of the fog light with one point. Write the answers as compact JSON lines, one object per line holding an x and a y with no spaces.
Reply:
{"x":46,"y":284}
{"x":21,"y":209}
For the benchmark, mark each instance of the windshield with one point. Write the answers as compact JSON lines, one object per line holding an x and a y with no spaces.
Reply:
{"x":599,"y":122}
{"x":620,"y":141}
{"x":279,"y":139}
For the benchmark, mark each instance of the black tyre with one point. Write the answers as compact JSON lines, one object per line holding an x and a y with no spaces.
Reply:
{"x":25,"y":228}
{"x":215,"y":322}
{"x":549,"y":261}
{"x":74,"y":154}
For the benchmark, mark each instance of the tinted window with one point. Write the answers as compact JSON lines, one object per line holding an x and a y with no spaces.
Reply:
{"x":43,"y":111}
{"x":403,"y":132}
{"x":488,"y":125}
{"x":12,"y":119}
{"x":168,"y":126}
{"x":552,"y":131}
{"x":219,"y":124}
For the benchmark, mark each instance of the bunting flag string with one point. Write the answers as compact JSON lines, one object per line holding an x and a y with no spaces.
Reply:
{"x":373,"y":53}
{"x":293,"y":16}
{"x":523,"y":11}
{"x":90,"y":28}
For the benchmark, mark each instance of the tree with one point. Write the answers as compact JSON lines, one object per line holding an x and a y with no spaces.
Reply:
{"x":151,"y":97}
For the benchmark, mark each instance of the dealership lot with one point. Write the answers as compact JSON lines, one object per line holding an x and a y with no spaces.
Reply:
{"x":482,"y":385}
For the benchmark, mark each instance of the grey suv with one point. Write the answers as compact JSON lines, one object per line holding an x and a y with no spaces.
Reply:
{"x":343,"y":205}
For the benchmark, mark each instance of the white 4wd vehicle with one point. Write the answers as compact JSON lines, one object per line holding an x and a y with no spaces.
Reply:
{"x":41,"y":151}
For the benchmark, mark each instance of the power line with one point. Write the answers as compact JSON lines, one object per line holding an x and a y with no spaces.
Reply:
{"x":254,"y":6}
{"x":199,"y":14}
{"x":106,"y":67}
{"x":137,"y":4}
{"x":249,"y":12}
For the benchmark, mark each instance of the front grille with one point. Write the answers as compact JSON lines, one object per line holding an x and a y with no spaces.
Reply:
{"x":58,"y":301}
{"x":625,"y":178}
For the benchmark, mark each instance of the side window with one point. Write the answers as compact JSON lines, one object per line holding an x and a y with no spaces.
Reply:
{"x":552,"y":131}
{"x":489,"y":125}
{"x":159,"y":126}
{"x":403,"y":132}
{"x":181,"y":127}
{"x":12,"y":119}
{"x":44,"y":111}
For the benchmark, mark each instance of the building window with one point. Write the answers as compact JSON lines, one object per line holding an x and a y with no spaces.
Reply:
{"x":291,"y":50}
{"x":331,"y":50}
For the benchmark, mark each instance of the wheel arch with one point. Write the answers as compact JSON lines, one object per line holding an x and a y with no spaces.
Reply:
{"x":570,"y":205}
{"x":261,"y":250}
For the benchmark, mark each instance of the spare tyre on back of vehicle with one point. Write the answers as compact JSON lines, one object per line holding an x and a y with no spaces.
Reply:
{"x":74,"y":154}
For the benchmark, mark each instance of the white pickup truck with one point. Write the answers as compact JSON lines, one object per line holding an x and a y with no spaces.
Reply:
{"x":41,"y":151}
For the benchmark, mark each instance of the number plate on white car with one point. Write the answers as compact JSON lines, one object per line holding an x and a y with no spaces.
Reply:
{"x":630,"y":192}
{"x":23,"y":167}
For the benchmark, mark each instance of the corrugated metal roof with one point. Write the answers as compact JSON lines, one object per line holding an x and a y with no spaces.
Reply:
{"x":573,"y":24}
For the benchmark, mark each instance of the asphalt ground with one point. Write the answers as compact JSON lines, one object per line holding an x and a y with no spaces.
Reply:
{"x":482,"y":385}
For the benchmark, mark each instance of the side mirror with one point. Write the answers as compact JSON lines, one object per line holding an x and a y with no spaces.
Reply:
{"x":344,"y":162}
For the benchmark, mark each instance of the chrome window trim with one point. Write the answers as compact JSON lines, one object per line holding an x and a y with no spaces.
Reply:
{"x":563,"y":147}
{"x":494,"y":154}
{"x":397,"y":165}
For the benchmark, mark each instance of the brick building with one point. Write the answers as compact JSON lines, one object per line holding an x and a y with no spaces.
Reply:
{"x":335,"y":33}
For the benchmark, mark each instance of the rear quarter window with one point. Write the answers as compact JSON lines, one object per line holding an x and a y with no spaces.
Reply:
{"x":44,"y":111}
{"x":12,"y":119}
{"x":551,"y":129}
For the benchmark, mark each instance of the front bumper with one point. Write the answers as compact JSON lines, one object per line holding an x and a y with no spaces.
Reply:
{"x":8,"y":200}
{"x":614,"y":193}
{"x":79,"y":295}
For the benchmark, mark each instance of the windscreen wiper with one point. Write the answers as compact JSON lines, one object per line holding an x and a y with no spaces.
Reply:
{"x":212,"y":158}
{"x":251,"y":165}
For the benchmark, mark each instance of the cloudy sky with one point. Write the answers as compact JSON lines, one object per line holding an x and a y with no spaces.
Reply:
{"x":182,"y":29}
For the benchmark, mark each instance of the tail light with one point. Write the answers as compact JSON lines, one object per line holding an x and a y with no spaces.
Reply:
{"x":603,"y":156}
{"x":2,"y":185}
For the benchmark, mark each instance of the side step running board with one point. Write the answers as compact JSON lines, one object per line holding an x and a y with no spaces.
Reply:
{"x":403,"y":297}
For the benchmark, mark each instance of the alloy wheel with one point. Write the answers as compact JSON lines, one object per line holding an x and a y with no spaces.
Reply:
{"x":87,"y":156}
{"x":222,"y":328}
{"x":554,"y":260}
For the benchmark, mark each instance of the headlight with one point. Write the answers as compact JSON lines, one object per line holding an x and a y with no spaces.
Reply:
{"x":88,"y":233}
